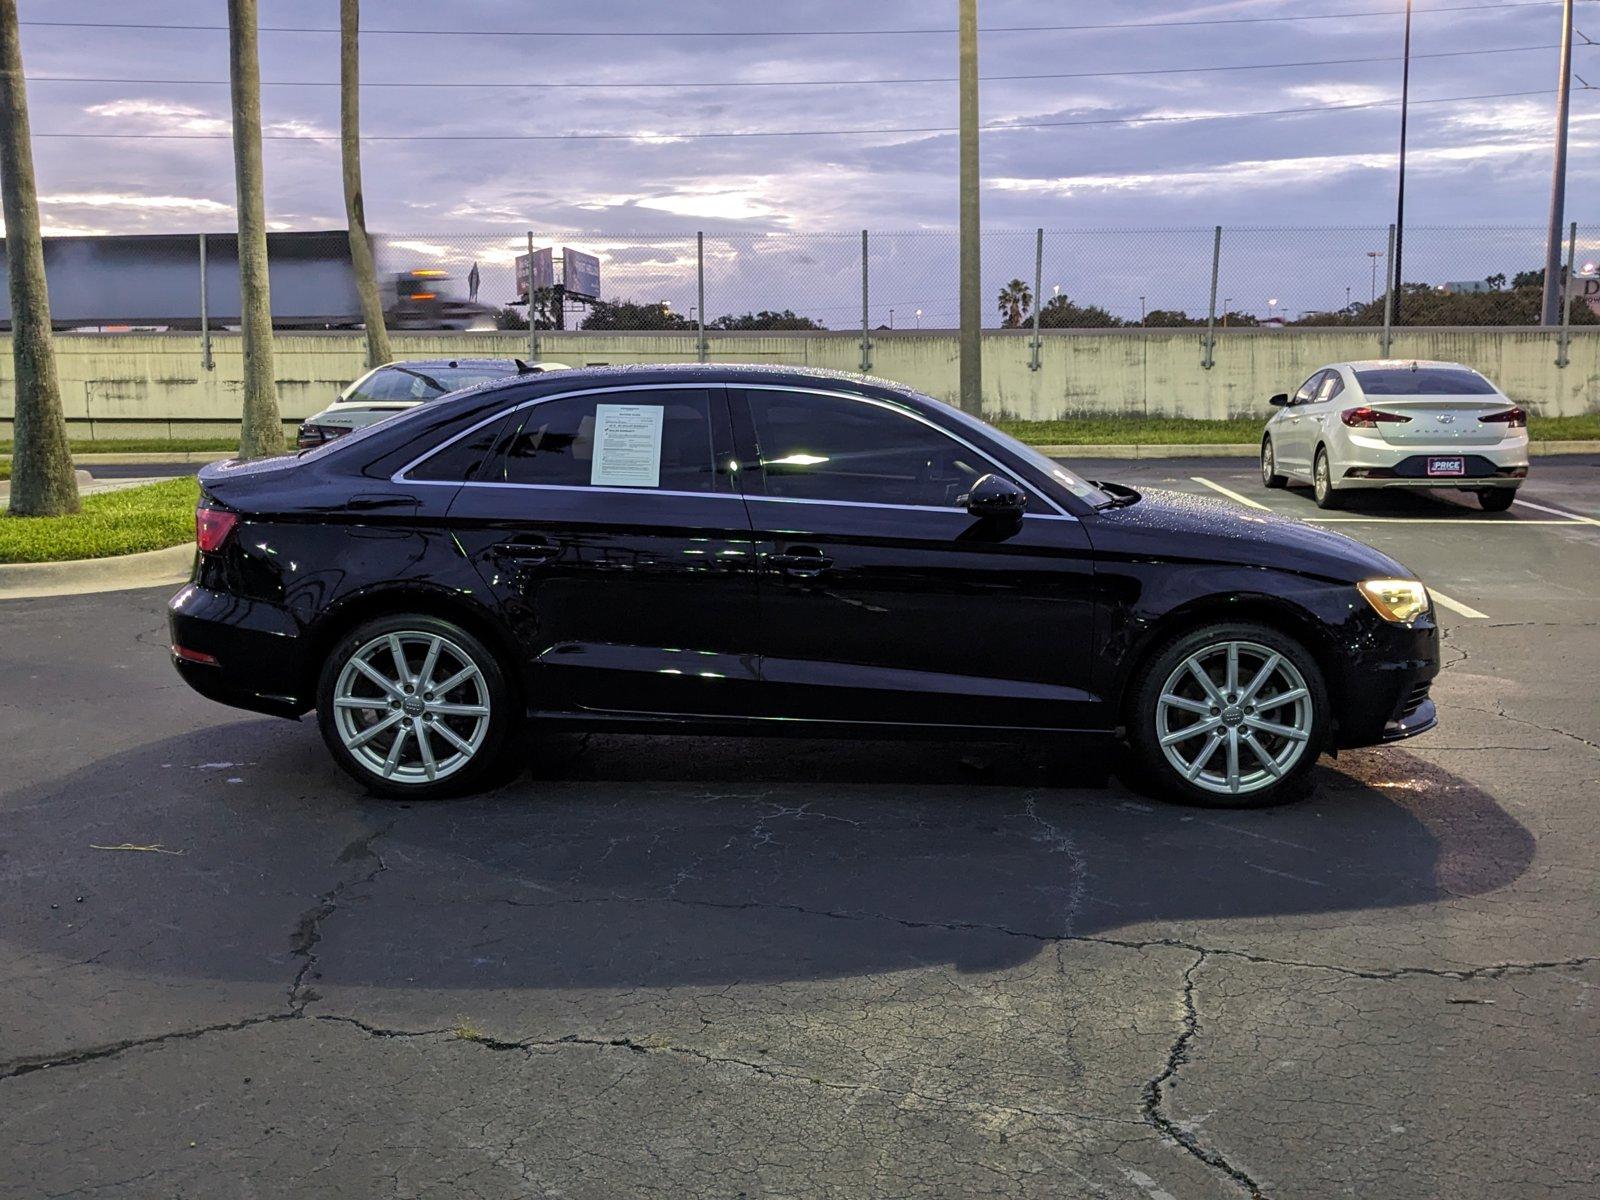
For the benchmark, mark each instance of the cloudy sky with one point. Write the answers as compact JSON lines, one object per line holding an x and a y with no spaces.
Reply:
{"x":1159,"y":146}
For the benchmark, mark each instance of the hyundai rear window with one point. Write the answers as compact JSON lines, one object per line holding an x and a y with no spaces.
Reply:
{"x":1422,"y":381}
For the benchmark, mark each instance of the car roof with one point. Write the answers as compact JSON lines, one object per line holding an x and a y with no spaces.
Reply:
{"x":723,"y":373}
{"x":506,"y":364}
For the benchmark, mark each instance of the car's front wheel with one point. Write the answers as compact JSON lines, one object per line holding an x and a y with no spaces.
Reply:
{"x":1229,"y":715}
{"x":1496,"y":499}
{"x":1269,"y":466}
{"x":415,"y":707}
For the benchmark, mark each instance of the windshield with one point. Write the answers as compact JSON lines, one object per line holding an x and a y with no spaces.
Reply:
{"x":411,"y":383}
{"x":1074,"y":483}
{"x":1423,"y":381}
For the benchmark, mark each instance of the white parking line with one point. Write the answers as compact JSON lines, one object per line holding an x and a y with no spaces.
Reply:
{"x":1558,"y":512}
{"x":1500,"y":521}
{"x":1455,"y":606}
{"x":1230,"y":494}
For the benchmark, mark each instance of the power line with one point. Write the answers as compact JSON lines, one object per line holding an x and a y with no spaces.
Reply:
{"x":783,"y":83}
{"x":663,"y":136}
{"x":789,"y":33}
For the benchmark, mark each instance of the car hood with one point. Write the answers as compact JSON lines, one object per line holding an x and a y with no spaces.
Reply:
{"x":1178,"y":526}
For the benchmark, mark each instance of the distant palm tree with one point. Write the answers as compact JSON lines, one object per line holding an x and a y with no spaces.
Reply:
{"x":1016,"y":302}
{"x":260,"y":428}
{"x":42,"y":482}
{"x":354,"y":204}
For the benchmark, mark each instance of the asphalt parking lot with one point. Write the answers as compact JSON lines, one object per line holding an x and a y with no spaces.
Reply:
{"x":793,"y":969}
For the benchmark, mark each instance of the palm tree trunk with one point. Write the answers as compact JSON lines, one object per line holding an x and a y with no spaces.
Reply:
{"x":354,"y":207}
{"x":42,"y":482}
{"x":261,"y":430}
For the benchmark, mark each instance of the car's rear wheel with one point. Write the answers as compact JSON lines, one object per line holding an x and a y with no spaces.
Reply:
{"x":1322,"y":482}
{"x":415,"y":707}
{"x":1496,"y":499}
{"x":1269,"y":467}
{"x":1229,"y":715}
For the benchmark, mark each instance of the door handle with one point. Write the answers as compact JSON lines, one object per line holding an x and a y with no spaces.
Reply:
{"x":802,"y":562}
{"x":527,"y":550}
{"x":375,"y":500}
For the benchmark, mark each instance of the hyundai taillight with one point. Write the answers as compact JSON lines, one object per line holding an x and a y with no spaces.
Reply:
{"x":1370,"y":418}
{"x":212,"y":527}
{"x":1512,"y":418}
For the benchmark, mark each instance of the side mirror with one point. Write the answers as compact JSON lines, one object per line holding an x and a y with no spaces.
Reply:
{"x":1280,"y":400}
{"x":995,"y":496}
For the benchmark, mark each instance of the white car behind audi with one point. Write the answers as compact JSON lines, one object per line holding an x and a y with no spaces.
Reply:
{"x":1395,"y":423}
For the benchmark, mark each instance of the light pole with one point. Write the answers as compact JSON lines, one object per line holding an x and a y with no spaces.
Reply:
{"x":919,"y":318}
{"x":1374,"y":255}
{"x":1141,"y":310}
{"x":1272,"y":308}
{"x":1400,"y":196}
{"x":891,"y":318}
{"x":1550,"y":312}
{"x":1226,"y":301}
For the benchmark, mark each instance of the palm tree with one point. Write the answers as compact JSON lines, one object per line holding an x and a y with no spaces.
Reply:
{"x":1016,"y":302}
{"x":354,"y":207}
{"x":261,"y":429}
{"x":42,"y":482}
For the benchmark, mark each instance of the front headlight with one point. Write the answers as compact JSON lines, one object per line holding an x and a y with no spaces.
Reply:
{"x":1399,"y":600}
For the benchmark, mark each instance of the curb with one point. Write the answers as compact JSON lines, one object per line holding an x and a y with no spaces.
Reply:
{"x":83,"y":576}
{"x":1251,"y":449}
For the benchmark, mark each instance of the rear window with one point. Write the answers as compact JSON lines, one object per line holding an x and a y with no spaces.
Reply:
{"x":402,"y":383}
{"x":1423,"y":381}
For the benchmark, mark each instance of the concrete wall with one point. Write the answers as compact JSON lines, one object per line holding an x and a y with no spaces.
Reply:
{"x":143,"y":384}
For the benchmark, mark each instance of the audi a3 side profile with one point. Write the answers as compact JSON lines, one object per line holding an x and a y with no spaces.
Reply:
{"x":1397,"y":424}
{"x":748,"y":550}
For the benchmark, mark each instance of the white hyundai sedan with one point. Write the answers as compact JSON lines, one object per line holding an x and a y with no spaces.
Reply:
{"x":1392,"y":423}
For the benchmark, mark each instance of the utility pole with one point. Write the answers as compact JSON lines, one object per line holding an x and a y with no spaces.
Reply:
{"x":1550,"y":311}
{"x":1400,"y":199}
{"x":971,"y":226}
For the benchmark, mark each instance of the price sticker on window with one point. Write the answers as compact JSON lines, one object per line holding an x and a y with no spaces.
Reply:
{"x":627,"y":445}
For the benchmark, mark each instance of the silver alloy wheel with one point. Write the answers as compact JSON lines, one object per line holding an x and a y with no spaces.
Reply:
{"x":1268,"y":462}
{"x":1320,"y":480}
{"x":1234,"y":717}
{"x":411,"y":706}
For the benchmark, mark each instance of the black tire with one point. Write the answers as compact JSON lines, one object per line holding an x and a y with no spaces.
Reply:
{"x":1322,"y":483}
{"x":1496,"y":499}
{"x":1269,"y":463}
{"x":490,"y":760}
{"x":1153,"y":772}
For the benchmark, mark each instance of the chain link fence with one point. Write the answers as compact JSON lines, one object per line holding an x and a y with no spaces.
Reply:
{"x":798,"y":281}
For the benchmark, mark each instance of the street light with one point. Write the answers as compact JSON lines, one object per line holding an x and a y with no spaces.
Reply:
{"x":919,"y":318}
{"x":1374,"y":255}
{"x":1226,"y":301}
{"x":1141,"y":310}
{"x":1272,"y":306}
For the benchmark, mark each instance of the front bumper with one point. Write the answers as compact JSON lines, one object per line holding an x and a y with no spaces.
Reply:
{"x":255,"y":647}
{"x":1381,"y":686}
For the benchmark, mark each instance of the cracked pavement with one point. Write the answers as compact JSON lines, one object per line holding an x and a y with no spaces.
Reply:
{"x":719,"y":967}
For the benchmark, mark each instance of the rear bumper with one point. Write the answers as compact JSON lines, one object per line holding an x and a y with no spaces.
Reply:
{"x":258,"y":663}
{"x":1477,"y":471}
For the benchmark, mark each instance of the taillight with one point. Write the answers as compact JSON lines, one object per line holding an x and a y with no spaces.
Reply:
{"x":212,"y":527}
{"x":1370,"y":418}
{"x":1512,"y":418}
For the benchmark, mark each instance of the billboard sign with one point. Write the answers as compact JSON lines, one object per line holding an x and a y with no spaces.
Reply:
{"x":544,"y":271}
{"x":582,"y":274}
{"x":1584,"y":289}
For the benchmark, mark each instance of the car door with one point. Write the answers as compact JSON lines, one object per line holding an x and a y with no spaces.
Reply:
{"x":1314,"y":412}
{"x":1291,"y":441}
{"x":882,"y":599}
{"x":607,"y":528}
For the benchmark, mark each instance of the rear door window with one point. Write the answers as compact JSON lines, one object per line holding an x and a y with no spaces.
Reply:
{"x":661,"y":440}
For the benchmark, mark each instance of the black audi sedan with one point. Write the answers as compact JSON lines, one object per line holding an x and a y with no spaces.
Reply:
{"x":742,"y":549}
